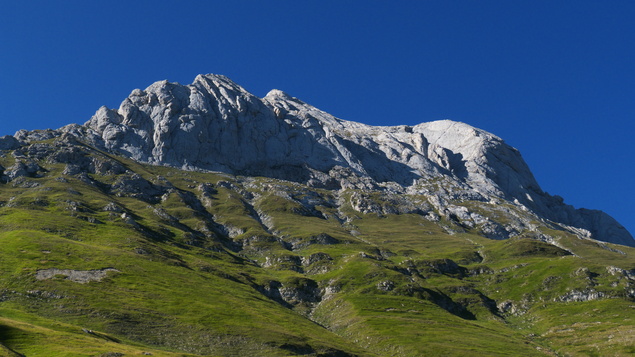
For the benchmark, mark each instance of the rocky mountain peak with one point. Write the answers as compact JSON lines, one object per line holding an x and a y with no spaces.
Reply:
{"x":214,"y":124}
{"x":277,"y":94}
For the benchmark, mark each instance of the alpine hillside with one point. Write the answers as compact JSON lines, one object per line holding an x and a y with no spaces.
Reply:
{"x":216,"y":125}
{"x":199,"y":220}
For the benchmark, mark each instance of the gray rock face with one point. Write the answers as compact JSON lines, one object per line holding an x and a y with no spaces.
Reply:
{"x":78,"y":276}
{"x":214,"y":124}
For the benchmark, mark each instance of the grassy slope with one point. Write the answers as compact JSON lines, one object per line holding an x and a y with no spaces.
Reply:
{"x":183,"y":289}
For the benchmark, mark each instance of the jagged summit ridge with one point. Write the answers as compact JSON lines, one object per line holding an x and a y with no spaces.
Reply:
{"x":214,"y":124}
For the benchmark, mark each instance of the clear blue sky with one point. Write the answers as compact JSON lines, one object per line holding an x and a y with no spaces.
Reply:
{"x":555,"y":79}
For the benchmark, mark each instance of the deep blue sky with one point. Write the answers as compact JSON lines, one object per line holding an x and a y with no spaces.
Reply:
{"x":555,"y":79}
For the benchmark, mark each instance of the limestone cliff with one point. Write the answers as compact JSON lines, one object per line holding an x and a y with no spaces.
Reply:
{"x":214,"y":124}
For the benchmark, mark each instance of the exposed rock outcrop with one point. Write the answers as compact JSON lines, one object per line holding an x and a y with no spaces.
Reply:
{"x":78,"y":276}
{"x":214,"y":124}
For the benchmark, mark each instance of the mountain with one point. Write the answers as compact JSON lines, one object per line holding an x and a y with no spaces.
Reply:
{"x":202,"y":220}
{"x":214,"y":124}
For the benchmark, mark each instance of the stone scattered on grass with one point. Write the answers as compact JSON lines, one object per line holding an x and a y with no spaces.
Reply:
{"x":78,"y":276}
